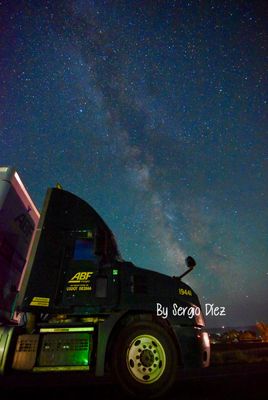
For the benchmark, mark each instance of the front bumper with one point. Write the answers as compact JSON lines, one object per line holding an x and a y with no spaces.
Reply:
{"x":194,"y":346}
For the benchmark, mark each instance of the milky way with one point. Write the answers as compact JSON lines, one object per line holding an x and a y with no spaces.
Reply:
{"x":155,"y":113}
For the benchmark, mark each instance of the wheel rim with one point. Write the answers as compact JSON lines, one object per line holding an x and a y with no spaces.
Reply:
{"x":146,"y":359}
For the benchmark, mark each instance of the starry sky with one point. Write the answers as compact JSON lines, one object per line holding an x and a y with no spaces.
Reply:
{"x":155,"y":113}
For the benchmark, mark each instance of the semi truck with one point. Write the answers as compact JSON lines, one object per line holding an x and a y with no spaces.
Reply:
{"x":70,"y":302}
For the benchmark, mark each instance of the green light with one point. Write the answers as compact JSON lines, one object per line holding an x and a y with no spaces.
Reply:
{"x":84,"y":329}
{"x":115,"y":271}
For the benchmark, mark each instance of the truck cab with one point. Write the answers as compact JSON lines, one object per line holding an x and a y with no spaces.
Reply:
{"x":86,"y":308}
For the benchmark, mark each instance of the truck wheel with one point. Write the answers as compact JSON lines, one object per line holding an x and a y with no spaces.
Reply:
{"x":145,"y":359}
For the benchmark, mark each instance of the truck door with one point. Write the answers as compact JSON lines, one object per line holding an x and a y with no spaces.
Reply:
{"x":85,"y":284}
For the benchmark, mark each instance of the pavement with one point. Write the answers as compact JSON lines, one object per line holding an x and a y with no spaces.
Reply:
{"x":241,"y":381}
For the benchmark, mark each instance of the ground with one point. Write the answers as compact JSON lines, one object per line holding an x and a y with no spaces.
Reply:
{"x":246,"y":381}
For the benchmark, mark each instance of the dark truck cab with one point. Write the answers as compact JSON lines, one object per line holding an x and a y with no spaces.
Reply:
{"x":88,"y":309}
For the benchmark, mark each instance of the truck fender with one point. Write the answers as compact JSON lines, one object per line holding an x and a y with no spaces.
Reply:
{"x":109,"y":329}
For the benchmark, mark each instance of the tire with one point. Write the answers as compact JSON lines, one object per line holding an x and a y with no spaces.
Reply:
{"x":144,"y":360}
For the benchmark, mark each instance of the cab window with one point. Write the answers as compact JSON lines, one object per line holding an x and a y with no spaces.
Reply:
{"x":84,"y":250}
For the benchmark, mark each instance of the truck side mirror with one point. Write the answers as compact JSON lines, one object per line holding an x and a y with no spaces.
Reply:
{"x":190,"y":262}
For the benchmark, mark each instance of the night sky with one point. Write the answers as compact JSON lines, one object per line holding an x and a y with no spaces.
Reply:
{"x":155,"y":113}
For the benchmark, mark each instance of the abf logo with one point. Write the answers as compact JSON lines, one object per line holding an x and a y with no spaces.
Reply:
{"x":80,"y":277}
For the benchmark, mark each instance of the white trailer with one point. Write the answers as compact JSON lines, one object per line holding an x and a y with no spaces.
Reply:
{"x":18,"y":221}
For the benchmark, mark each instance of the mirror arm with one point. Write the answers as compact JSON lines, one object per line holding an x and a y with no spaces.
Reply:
{"x":185,"y":273}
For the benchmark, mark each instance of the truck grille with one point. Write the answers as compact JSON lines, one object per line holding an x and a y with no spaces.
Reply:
{"x":25,"y":353}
